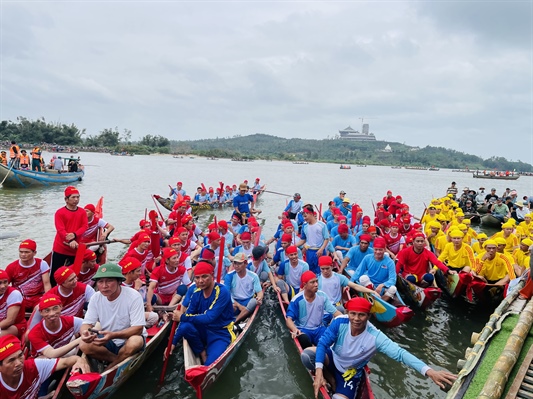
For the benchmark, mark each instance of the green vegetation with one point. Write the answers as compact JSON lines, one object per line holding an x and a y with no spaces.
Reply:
{"x":256,"y":146}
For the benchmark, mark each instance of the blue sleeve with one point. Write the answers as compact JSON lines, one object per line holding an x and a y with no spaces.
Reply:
{"x":392,"y":273}
{"x":276,"y":257}
{"x":325,"y":232}
{"x":292,"y":311}
{"x":288,"y":206}
{"x":281,"y":269}
{"x":328,"y":306}
{"x":326,"y":340}
{"x":390,"y":348}
{"x":212,"y":313}
{"x":235,"y":202}
{"x":304,"y":229}
{"x":359,"y":272}
{"x":228,"y":279}
{"x":343,"y":280}
{"x":257,"y":284}
{"x":330,"y":247}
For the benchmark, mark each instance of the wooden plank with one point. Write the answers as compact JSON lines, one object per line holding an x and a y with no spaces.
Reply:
{"x":517,"y":383}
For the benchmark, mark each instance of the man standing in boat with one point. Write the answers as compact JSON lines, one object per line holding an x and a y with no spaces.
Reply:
{"x":70,"y":222}
{"x":207,"y":325}
{"x":243,"y":203}
{"x":348,"y":345}
{"x":315,"y":236}
{"x":14,"y":155}
{"x":452,"y":190}
{"x":36,"y":159}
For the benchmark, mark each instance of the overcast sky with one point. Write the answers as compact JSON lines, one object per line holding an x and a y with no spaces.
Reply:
{"x":456,"y":74}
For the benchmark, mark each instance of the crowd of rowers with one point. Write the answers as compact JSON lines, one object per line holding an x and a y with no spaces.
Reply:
{"x":218,"y":277}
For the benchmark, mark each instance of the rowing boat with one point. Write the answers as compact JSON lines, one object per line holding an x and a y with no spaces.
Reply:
{"x":490,"y":221}
{"x":201,"y":377}
{"x":453,"y":285}
{"x":478,"y":292}
{"x":390,"y":314}
{"x":102,"y":385}
{"x":16,"y":178}
{"x":364,"y":391}
{"x":417,"y":296}
{"x":495,"y":177}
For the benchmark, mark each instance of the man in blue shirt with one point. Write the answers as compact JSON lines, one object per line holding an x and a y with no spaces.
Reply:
{"x":242,"y":200}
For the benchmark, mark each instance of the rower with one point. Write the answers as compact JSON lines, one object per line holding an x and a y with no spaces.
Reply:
{"x":377,"y":272}
{"x":178,"y":191}
{"x":315,"y":236}
{"x":490,"y":267}
{"x":338,"y":200}
{"x":457,"y":255}
{"x":395,"y":241}
{"x":355,"y":255}
{"x":388,"y":200}
{"x":140,"y":249}
{"x":294,"y":206}
{"x":306,"y":311}
{"x":413,"y":262}
{"x":477,"y":247}
{"x":348,"y":345}
{"x":452,"y":190}
{"x":30,"y":275}
{"x":88,"y":268}
{"x":245,"y":288}
{"x":93,"y":227}
{"x":73,"y":295}
{"x":289,"y":273}
{"x":511,"y":240}
{"x":256,"y":188}
{"x":279,"y":257}
{"x":120,"y":311}
{"x":207,"y":325}
{"x":23,"y":378}
{"x":214,"y":245}
{"x":259,"y":266}
{"x":522,"y":257}
{"x":12,"y":321}
{"x":243,"y":203}
{"x":246,"y":245}
{"x":70,"y":222}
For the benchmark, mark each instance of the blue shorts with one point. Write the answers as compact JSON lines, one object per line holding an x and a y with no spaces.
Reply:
{"x":347,"y":387}
{"x":114,"y":348}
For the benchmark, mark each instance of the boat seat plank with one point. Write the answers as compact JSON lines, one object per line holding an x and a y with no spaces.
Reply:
{"x":519,"y":386}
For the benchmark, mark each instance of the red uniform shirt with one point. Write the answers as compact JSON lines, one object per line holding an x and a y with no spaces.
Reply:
{"x":74,"y":303}
{"x":34,"y":373}
{"x":393,"y":243}
{"x":409,"y":262}
{"x":167,"y":282}
{"x":28,"y":280}
{"x":86,"y":278}
{"x":67,"y":221}
{"x":91,"y":234}
{"x":12,"y":297}
{"x":40,"y":337}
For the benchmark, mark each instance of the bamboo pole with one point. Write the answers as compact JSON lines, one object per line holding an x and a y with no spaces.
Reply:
{"x":497,"y":379}
{"x":484,"y":336}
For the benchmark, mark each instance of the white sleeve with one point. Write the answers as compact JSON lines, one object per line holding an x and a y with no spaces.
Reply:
{"x":15,"y":298}
{"x":185,"y":279}
{"x":78,"y":321}
{"x":45,"y":367}
{"x":89,"y":292}
{"x":137,"y":310}
{"x":44,"y":267}
{"x":187,"y":263}
{"x":91,"y":316}
{"x":102,"y":223}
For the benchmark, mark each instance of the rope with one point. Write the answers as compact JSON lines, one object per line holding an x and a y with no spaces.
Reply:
{"x":9,"y":170}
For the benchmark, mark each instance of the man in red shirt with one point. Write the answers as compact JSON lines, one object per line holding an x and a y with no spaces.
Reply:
{"x":88,"y":268}
{"x":73,"y":294}
{"x":12,"y":319}
{"x":71,"y":222}
{"x":30,"y":275}
{"x":95,"y":224}
{"x":21,"y":379}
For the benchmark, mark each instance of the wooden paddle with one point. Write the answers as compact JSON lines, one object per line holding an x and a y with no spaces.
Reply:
{"x":167,"y":350}
{"x":220,"y":257}
{"x":78,"y":260}
{"x":157,"y":207}
{"x":154,"y":241}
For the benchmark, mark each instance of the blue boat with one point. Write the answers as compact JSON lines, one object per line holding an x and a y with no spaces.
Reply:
{"x":16,"y":178}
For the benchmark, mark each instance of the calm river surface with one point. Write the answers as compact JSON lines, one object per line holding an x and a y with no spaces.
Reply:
{"x":267,"y":365}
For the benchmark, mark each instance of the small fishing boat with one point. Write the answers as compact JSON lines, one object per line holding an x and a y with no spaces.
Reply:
{"x":495,"y":176}
{"x":168,"y":203}
{"x":488,"y":220}
{"x":102,"y":385}
{"x":434,"y":169}
{"x":414,"y":295}
{"x":453,"y":285}
{"x":345,"y":167}
{"x":16,"y":178}
{"x":201,"y":377}
{"x":365,"y":389}
{"x":121,"y":154}
{"x":396,"y":167}
{"x":390,"y":314}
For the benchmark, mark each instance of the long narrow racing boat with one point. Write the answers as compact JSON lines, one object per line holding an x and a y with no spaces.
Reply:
{"x":453,"y":285}
{"x":16,"y":178}
{"x":102,"y":385}
{"x":417,"y":296}
{"x":364,"y":391}
{"x":390,"y":314}
{"x":201,"y":377}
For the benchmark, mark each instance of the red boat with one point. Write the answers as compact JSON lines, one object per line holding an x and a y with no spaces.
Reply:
{"x":417,"y":296}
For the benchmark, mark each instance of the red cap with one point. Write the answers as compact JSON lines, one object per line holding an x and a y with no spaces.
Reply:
{"x":380,"y":242}
{"x":28,"y":244}
{"x":246,"y":236}
{"x":389,"y":192}
{"x":358,"y":304}
{"x":203,"y":268}
{"x":384,"y":223}
{"x":306,"y":277}
{"x":89,"y":255}
{"x":90,"y":207}
{"x":257,"y":179}
{"x":143,"y":238}
{"x":70,"y":190}
{"x":3,"y":275}
{"x":180,"y":230}
{"x":186,"y":198}
{"x":394,"y":224}
{"x":343,"y":228}
{"x":174,"y":240}
{"x":286,"y":238}
{"x":406,"y":219}
{"x":49,"y":300}
{"x":291,"y":249}
{"x":223,"y":224}
{"x":62,"y":274}
{"x":366,"y":219}
{"x":143,"y":222}
{"x":129,"y":264}
{"x":342,"y":218}
{"x":365,"y":237}
{"x":371,"y":229}
{"x":307,"y":210}
{"x":168,"y":253}
{"x":418,"y":234}
{"x":9,"y":344}
{"x":213,"y":236}
{"x":179,"y":184}
{"x":186,"y":219}
{"x":398,"y":197}
{"x":207,"y":253}
{"x":325,"y":261}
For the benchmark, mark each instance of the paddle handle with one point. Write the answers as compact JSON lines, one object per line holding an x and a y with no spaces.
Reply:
{"x":167,"y":350}
{"x":220,"y":257}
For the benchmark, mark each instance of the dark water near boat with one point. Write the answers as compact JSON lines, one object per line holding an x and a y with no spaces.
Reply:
{"x":267,"y":365}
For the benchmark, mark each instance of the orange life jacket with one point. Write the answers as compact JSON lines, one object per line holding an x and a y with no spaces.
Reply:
{"x":14,"y":151}
{"x":35,"y":153}
{"x":3,"y":160}
{"x":24,"y":160}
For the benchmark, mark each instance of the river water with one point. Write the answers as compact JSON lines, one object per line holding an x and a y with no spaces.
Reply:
{"x":267,"y":365}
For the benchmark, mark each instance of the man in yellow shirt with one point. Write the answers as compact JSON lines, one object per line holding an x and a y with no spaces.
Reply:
{"x":428,"y":218}
{"x":511,"y":240}
{"x":457,"y":255}
{"x":522,"y":256}
{"x":493,"y":268}
{"x":433,"y":233}
{"x":525,"y":228}
{"x":478,"y":246}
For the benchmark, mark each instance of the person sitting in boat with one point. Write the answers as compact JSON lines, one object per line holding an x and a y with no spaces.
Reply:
{"x":434,"y":234}
{"x":243,"y":203}
{"x":388,"y":200}
{"x":36,"y":159}
{"x":356,"y":254}
{"x":3,"y":158}
{"x":73,"y":295}
{"x":477,"y":247}
{"x":178,"y":191}
{"x":332,"y":284}
{"x":179,"y":210}
{"x":509,"y":260}
{"x":246,"y":244}
{"x":525,"y":228}
{"x":377,"y":271}
{"x":120,"y":311}
{"x":395,"y":241}
{"x":294,"y":206}
{"x":347,"y":346}
{"x":23,"y":378}
{"x":24,"y":160}
{"x":167,"y":278}
{"x":342,"y":242}
{"x":345,"y":207}
{"x":305,"y":314}
{"x":245,"y":288}
{"x":491,"y":267}
{"x":491,"y":198}
{"x":57,"y":164}
{"x":214,"y":240}
{"x":207,"y":324}
{"x":131,"y":270}
{"x":413,"y":262}
{"x":212,"y":197}
{"x":519,"y":211}
{"x":280,"y":254}
{"x":511,"y":239}
{"x":88,"y":268}
{"x":468,"y":207}
{"x":73,"y":165}
{"x":290,"y":272}
{"x":259,"y":265}
{"x":29,"y":275}
{"x":94,"y":225}
{"x":140,"y":249}
{"x":457,"y":255}
{"x":522,"y":257}
{"x":314,"y":236}
{"x":339,"y":199}
{"x":256,"y":188}
{"x":52,"y":335}
{"x":12,"y":321}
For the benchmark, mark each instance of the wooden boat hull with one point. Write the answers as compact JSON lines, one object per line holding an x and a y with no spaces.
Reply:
{"x":453,"y":285}
{"x":365,"y":389}
{"x":483,"y":209}
{"x":201,"y":377}
{"x":390,"y":314}
{"x":480,"y":293}
{"x":474,"y":217}
{"x":490,"y":221}
{"x":95,"y":385}
{"x":495,"y":177}
{"x":26,"y":178}
{"x":414,"y":295}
